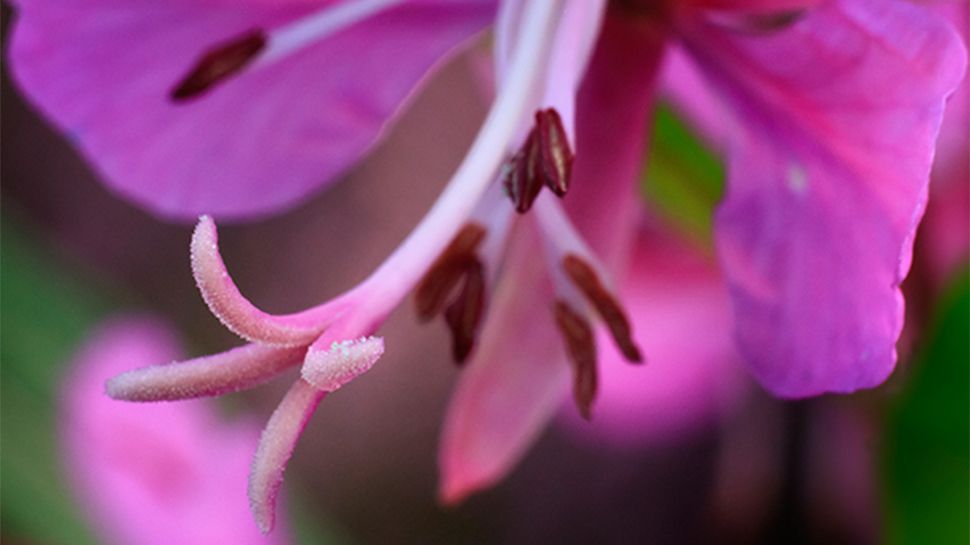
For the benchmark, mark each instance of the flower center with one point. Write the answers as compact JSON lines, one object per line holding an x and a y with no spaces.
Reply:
{"x":450,"y":258}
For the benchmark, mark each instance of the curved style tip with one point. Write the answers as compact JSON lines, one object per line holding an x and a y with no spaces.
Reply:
{"x":236,"y":312}
{"x":328,"y":370}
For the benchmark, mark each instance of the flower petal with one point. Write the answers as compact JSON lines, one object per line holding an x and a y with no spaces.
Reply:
{"x":153,"y":474}
{"x":512,"y":384}
{"x":827,"y":183}
{"x":518,"y":375}
{"x":102,"y":70}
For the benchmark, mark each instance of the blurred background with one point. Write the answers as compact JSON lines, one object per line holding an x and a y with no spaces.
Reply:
{"x":884,"y":466}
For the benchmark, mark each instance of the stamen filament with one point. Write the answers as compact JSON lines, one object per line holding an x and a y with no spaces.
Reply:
{"x":395,"y":277}
{"x":574,"y":267}
{"x":294,"y":36}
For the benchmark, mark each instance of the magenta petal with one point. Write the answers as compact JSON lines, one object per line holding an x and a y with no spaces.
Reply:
{"x":102,"y":70}
{"x":153,"y":474}
{"x":827,"y":182}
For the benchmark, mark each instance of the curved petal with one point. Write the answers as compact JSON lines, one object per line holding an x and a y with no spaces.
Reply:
{"x":102,"y":70}
{"x":518,"y":375}
{"x":826,"y":183}
{"x":680,"y":306}
{"x":153,"y":474}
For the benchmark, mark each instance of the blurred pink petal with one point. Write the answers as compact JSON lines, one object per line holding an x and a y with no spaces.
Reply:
{"x":510,"y":388}
{"x":826,"y":183}
{"x":153,"y":474}
{"x":261,"y":141}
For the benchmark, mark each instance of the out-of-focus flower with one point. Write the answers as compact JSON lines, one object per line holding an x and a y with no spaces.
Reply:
{"x":834,"y":108}
{"x":152,"y":474}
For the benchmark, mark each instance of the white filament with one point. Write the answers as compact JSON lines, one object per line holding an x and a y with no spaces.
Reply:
{"x":294,"y":36}
{"x":514,"y":102}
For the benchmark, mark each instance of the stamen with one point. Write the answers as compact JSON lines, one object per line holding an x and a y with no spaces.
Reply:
{"x":238,"y":369}
{"x":311,"y":29}
{"x":585,"y":278}
{"x":554,"y":151}
{"x":571,"y":255}
{"x":522,"y":174}
{"x":545,"y":158}
{"x":399,"y":273}
{"x":218,"y":64}
{"x":758,"y":22}
{"x":346,"y":360}
{"x":444,"y":274}
{"x":465,"y":314}
{"x":256,"y":48}
{"x":581,"y":348}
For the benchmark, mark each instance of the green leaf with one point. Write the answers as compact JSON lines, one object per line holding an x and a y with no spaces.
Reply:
{"x":927,"y":463}
{"x":684,"y":179}
{"x":45,"y":314}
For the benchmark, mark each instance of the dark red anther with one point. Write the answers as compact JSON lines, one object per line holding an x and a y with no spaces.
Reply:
{"x":581,"y":348}
{"x":218,"y":64}
{"x":545,"y":159}
{"x":464,"y":314}
{"x":522,"y":176}
{"x":556,"y":156}
{"x":444,"y":274}
{"x":585,"y":278}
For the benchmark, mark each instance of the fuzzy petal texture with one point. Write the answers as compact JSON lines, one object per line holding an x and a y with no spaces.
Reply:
{"x":153,"y":474}
{"x":826,"y":183}
{"x":102,"y":71}
{"x":515,"y":381}
{"x":693,"y":376}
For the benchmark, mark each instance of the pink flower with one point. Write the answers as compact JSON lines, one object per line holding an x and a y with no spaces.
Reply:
{"x":827,"y":111}
{"x":159,"y":474}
